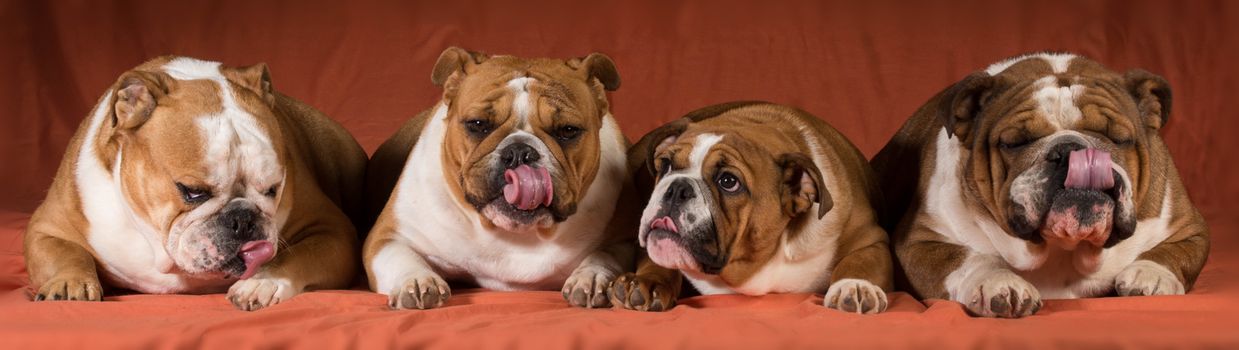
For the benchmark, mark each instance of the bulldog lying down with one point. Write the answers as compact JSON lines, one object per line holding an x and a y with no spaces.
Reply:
{"x":756,"y":198}
{"x":191,"y":177}
{"x":1042,"y":176}
{"x":507,"y":183}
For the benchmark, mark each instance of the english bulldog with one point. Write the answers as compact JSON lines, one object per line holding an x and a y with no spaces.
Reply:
{"x":1042,"y":176}
{"x":507,"y":183}
{"x":193,"y":177}
{"x":756,"y":198}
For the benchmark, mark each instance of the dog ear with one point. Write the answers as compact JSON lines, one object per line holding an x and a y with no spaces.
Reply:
{"x":599,"y":66}
{"x":1152,"y":95}
{"x":960,"y":104}
{"x":656,"y":141}
{"x":137,"y":94}
{"x":453,"y":60}
{"x":802,"y":186}
{"x":257,"y":78}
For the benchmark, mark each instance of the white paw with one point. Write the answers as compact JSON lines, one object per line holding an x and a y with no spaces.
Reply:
{"x":588,"y":287}
{"x":424,"y":292}
{"x":1001,"y":293}
{"x":855,"y":295}
{"x":1145,"y":277}
{"x":256,"y":292}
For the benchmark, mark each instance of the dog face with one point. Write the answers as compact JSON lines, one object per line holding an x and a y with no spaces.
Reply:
{"x":522,"y":144}
{"x":1059,"y":147}
{"x":724,"y":195}
{"x":200,"y":164}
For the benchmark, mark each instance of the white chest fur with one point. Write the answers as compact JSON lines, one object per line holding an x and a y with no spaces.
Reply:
{"x":454,"y":242}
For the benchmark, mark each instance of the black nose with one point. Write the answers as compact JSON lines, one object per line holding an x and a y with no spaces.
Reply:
{"x":678,"y":192}
{"x":517,"y":154}
{"x":1062,"y":152}
{"x":242,"y":223}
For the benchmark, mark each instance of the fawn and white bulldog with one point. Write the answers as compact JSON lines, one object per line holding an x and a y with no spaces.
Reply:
{"x":756,"y":198}
{"x":192,"y":177}
{"x":1042,"y":176}
{"x":509,"y":183}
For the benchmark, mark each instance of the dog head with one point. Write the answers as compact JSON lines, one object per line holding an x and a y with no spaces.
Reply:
{"x":199,"y":162}
{"x":523,"y":138}
{"x":726,"y":189}
{"x":1058,"y":147}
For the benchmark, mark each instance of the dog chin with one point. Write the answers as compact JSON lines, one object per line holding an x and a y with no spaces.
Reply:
{"x":1078,"y":216}
{"x":510,"y":219}
{"x":665,"y":251}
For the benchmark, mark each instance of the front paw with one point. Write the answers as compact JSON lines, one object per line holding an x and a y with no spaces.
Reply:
{"x":70,"y":288}
{"x":641,"y":293}
{"x":256,"y":293}
{"x":1002,"y":294}
{"x":1147,"y":278}
{"x":588,"y":288}
{"x":855,"y":295}
{"x":426,"y":292}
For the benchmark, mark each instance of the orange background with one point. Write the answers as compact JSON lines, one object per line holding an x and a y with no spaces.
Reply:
{"x":863,"y":67}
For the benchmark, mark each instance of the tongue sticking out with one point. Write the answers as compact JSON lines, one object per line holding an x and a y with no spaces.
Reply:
{"x":528,"y":187}
{"x":255,"y":253}
{"x":1089,"y":169}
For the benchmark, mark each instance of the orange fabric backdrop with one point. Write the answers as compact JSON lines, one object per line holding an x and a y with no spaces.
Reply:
{"x":862,"y":66}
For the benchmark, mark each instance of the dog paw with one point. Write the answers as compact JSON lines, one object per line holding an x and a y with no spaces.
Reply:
{"x":1145,"y":277}
{"x":635,"y":292}
{"x":588,"y":288}
{"x":855,"y":295}
{"x":1002,"y":294}
{"x":425,"y":292}
{"x":70,"y":288}
{"x":256,"y":293}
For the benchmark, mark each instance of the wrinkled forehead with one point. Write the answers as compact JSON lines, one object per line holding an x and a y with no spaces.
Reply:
{"x":706,"y":147}
{"x":230,"y":132}
{"x":1057,"y":88}
{"x":548,"y":82}
{"x":1036,"y":66}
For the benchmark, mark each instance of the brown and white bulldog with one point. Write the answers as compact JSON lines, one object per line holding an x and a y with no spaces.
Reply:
{"x":509,"y":183}
{"x":191,"y":177}
{"x":1042,"y":176}
{"x":756,"y":198}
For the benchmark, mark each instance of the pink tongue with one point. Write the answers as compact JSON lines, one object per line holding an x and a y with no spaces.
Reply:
{"x":1089,"y":169}
{"x":527,"y":187}
{"x":255,"y":253}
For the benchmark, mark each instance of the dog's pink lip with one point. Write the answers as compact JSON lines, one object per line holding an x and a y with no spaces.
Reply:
{"x":670,"y":254}
{"x":255,"y":254}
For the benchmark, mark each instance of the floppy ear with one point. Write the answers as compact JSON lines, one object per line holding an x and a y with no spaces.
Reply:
{"x":452,"y":60}
{"x":137,"y":94}
{"x":960,"y":104}
{"x":803,"y":186}
{"x":256,"y":78}
{"x":1152,"y":95}
{"x":599,"y":66}
{"x":655,"y":141}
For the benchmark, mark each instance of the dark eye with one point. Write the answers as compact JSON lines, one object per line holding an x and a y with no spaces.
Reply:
{"x":479,"y":127}
{"x":728,"y":182}
{"x":568,"y":133}
{"x":664,"y":166}
{"x":1124,"y":142}
{"x":193,"y":195}
{"x":272,"y":191}
{"x":1014,"y":145}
